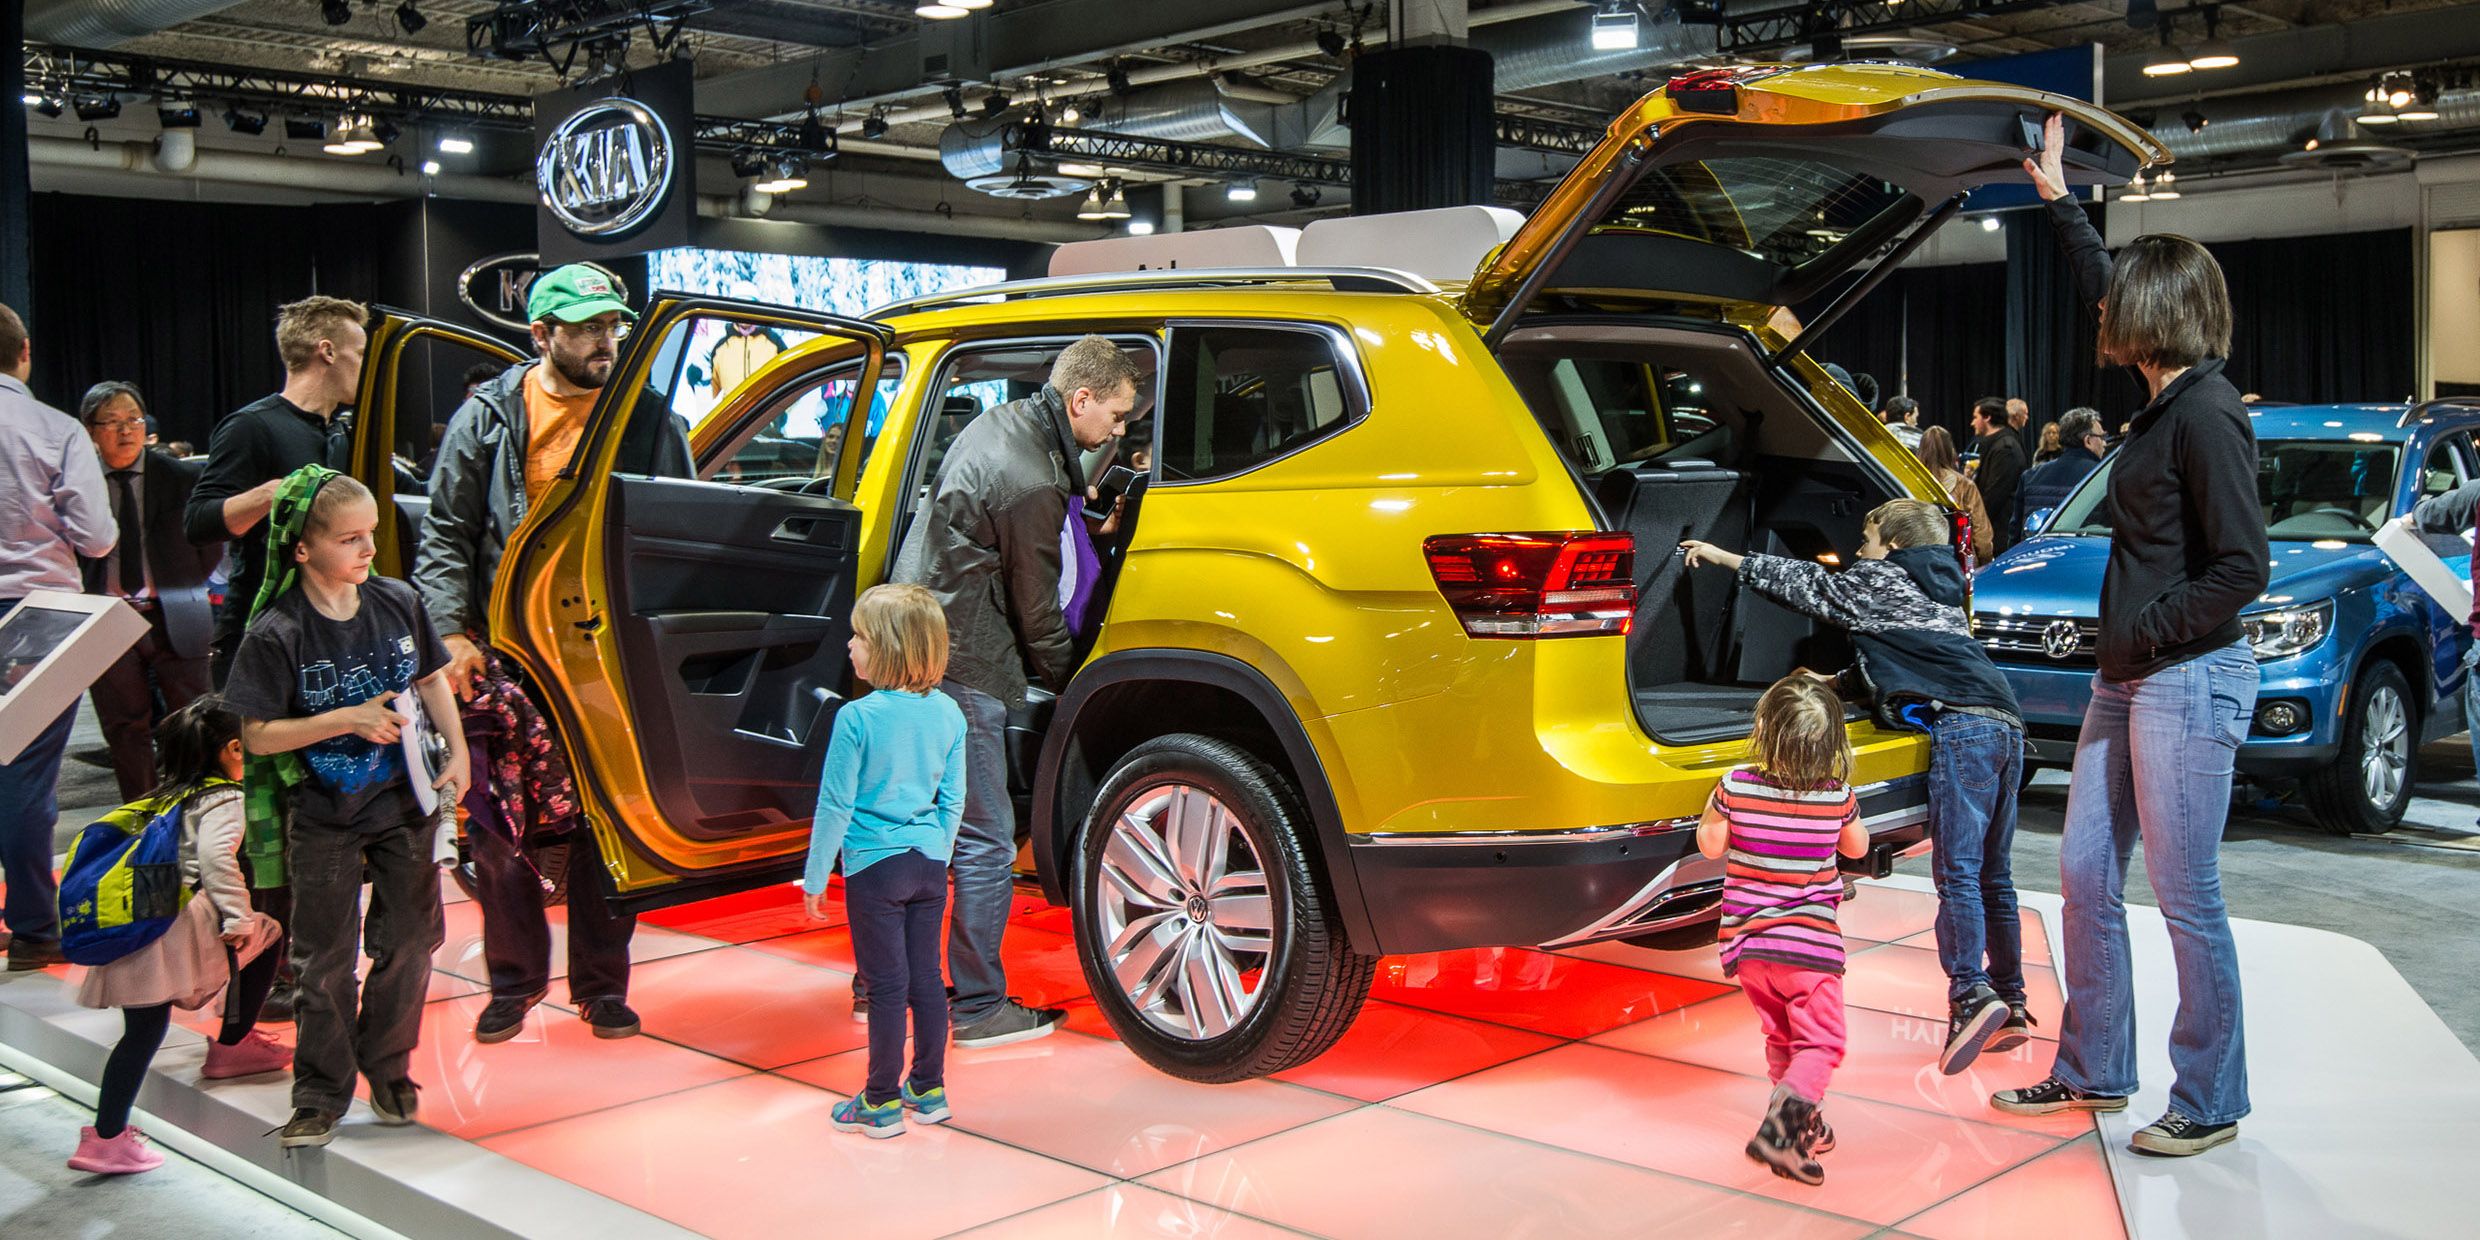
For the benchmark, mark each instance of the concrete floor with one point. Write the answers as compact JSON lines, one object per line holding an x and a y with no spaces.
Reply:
{"x":2407,"y":893}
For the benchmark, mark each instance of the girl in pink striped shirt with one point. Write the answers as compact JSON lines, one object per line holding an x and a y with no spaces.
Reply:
{"x":1777,"y":827}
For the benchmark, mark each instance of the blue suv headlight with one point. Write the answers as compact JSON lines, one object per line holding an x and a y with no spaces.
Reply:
{"x":2287,"y":631}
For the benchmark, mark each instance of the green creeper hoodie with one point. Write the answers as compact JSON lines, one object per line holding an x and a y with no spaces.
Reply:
{"x":264,"y":779}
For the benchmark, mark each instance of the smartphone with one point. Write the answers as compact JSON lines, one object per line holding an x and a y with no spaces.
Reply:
{"x":1113,"y":484}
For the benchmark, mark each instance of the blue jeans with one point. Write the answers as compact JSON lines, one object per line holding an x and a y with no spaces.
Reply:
{"x":985,"y":860}
{"x":2471,"y":698}
{"x":1975,"y":767}
{"x":2154,"y":762}
{"x":894,"y":906}
{"x":29,"y":809}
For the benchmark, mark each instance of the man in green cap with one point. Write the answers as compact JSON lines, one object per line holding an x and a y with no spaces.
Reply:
{"x":504,"y":449}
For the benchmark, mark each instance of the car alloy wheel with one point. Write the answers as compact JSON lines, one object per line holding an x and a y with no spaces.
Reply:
{"x":1185,"y":912}
{"x":2385,"y":753}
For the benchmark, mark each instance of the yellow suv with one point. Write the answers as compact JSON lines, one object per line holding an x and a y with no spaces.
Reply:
{"x":1390,"y":649}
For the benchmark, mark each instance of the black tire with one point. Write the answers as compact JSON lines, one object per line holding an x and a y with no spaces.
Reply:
{"x":1310,"y":983}
{"x":2339,"y":796}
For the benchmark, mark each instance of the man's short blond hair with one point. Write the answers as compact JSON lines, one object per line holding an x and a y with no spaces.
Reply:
{"x":301,"y":325}
{"x":1095,"y":364}
{"x":907,"y":634}
{"x":1909,"y":523}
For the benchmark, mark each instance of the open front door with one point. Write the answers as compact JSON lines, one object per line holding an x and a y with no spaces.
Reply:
{"x":1764,"y":185}
{"x":413,"y":379}
{"x":689,"y":636}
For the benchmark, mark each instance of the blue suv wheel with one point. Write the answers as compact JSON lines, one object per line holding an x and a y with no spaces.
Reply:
{"x":2368,"y":785}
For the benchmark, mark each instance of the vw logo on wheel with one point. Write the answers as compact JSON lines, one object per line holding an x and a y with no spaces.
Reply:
{"x":2062,"y":638}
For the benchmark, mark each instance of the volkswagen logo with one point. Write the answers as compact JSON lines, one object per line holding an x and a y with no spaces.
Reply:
{"x":2062,"y":638}
{"x":607,"y":169}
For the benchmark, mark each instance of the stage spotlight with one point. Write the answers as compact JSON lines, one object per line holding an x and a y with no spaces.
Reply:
{"x":336,"y":12}
{"x":240,"y":122}
{"x":954,"y":95}
{"x":98,"y":107}
{"x":874,"y":126}
{"x":409,"y":19}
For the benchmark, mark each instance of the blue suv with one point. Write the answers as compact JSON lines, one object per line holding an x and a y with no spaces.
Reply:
{"x":2359,"y":666}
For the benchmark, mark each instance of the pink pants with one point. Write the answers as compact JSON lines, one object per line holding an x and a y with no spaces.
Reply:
{"x":1801,"y":1011}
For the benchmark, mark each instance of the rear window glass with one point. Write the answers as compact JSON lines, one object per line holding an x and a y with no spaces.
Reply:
{"x":2312,"y":490}
{"x":1237,"y":397}
{"x":1789,"y":210}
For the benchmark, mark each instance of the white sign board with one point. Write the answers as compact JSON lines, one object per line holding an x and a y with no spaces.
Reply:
{"x":2403,"y":545}
{"x":52,"y":646}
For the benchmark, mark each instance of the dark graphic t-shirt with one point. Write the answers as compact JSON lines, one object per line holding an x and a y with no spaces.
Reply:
{"x":296,"y":663}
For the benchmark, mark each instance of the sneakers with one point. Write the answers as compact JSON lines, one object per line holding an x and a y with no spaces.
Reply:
{"x":2015,"y":1032}
{"x":27,"y":955}
{"x":876,"y":1122}
{"x":1009,"y":1022}
{"x":395,"y":1102}
{"x":254,"y":1053}
{"x":928,"y":1106}
{"x":610,"y":1018}
{"x":278,"y":1009}
{"x":2052,"y":1096}
{"x":503,"y":1016}
{"x":308,"y":1129}
{"x":2176,"y":1136}
{"x":126,"y":1154}
{"x":861,"y":1010}
{"x":1969,"y":1022}
{"x":1786,"y":1139}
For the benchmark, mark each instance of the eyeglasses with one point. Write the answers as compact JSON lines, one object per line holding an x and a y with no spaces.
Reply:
{"x":614,"y":332}
{"x":120,"y":426}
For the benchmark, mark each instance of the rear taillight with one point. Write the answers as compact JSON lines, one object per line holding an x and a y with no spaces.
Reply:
{"x":1963,"y":540}
{"x":1537,"y":585}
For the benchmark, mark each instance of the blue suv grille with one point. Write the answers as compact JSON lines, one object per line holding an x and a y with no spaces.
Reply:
{"x":2039,"y":641}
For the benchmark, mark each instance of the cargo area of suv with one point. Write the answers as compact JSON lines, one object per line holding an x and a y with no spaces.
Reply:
{"x":1681,"y":431}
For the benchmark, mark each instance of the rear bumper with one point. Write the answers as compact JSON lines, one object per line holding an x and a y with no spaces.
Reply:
{"x":1433,"y":892}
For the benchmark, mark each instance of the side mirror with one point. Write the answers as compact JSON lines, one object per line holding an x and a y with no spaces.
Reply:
{"x":2038,"y":518}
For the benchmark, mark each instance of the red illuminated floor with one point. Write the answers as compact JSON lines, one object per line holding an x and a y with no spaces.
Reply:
{"x":1598,"y":1091}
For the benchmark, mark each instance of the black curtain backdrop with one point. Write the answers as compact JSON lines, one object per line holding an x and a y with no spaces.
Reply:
{"x":13,"y":174}
{"x":2317,"y":320}
{"x":180,"y":297}
{"x":1420,"y":119}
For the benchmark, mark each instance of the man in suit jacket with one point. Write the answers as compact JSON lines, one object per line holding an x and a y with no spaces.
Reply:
{"x":159,"y":571}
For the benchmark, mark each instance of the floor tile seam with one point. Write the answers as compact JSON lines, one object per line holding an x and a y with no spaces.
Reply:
{"x":1725,"y":1189}
{"x":1728,"y":989}
{"x":1901,"y":1106}
{"x":2058,"y":1151}
{"x":1118,"y":1181}
{"x":596,"y":1110}
{"x":672,"y":1041}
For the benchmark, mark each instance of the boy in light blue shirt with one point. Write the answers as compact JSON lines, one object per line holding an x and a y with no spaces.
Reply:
{"x":889,"y":801}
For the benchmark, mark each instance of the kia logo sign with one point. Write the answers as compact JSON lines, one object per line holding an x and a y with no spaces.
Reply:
{"x":495,"y":288}
{"x":607,"y":169}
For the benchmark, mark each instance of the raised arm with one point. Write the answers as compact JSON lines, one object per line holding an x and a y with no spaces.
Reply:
{"x":2087,"y":255}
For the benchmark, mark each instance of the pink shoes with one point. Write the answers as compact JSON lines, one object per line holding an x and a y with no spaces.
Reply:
{"x":255,"y":1053}
{"x":126,"y":1154}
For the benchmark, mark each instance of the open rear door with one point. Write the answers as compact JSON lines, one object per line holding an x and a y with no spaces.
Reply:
{"x":413,"y":379}
{"x":689,"y":636}
{"x":1762,"y":186}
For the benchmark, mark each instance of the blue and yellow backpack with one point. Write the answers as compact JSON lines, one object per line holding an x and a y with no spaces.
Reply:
{"x":121,"y":888}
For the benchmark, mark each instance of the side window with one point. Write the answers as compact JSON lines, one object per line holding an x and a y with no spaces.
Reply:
{"x":2448,"y":467}
{"x":800,"y":436}
{"x":978,"y":379}
{"x":1238,"y":397}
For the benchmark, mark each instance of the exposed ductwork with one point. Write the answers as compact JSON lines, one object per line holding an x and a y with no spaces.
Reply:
{"x":1197,"y":110}
{"x":1558,"y":48}
{"x":109,"y":23}
{"x":2284,"y":129}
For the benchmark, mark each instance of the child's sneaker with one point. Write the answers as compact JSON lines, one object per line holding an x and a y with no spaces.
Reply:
{"x":1969,"y":1022}
{"x":1820,"y":1133}
{"x":254,"y":1053}
{"x":879,"y":1122}
{"x":928,"y":1105}
{"x":2015,"y":1032}
{"x":1786,"y":1139}
{"x":126,"y":1154}
{"x":2175,"y":1135}
{"x":2052,"y":1096}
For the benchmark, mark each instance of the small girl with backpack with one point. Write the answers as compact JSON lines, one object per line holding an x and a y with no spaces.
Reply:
{"x":190,"y":959}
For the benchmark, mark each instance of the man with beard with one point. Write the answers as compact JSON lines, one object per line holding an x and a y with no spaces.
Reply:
{"x":503,"y":449}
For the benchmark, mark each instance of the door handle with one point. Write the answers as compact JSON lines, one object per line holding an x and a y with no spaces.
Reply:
{"x":806,"y":530}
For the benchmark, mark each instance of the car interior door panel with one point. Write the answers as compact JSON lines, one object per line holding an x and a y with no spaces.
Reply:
{"x":736,"y":603}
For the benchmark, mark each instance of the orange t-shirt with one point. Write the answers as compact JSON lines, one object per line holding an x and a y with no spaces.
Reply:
{"x":553,"y":424}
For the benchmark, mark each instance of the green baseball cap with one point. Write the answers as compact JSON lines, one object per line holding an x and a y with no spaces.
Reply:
{"x":573,"y":294}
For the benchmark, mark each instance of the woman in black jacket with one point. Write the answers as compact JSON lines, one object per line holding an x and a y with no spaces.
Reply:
{"x":2175,"y":692}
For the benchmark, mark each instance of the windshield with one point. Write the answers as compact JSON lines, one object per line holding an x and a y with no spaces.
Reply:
{"x":2311,"y":490}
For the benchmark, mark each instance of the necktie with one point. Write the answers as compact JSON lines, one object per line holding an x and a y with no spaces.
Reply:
{"x":132,"y":548}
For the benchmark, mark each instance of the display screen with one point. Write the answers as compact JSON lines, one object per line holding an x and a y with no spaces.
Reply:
{"x":29,"y":635}
{"x":718,"y":356}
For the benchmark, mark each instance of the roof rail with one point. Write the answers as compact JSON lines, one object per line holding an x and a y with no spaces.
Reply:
{"x":2420,"y":410}
{"x":1341,"y":279}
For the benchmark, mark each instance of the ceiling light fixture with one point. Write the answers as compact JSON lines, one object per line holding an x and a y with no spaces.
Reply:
{"x":1093,"y":208}
{"x":1614,"y":26}
{"x":455,"y":144}
{"x":1240,"y":191}
{"x":2423,"y":104}
{"x":1305,"y":196}
{"x":2135,"y":191}
{"x":791,"y":173}
{"x":335,"y":12}
{"x":1989,"y":223}
{"x":2196,"y":121}
{"x":2166,"y":60}
{"x":1115,"y":207}
{"x":409,"y":19}
{"x":2215,"y":52}
{"x":340,"y":140}
{"x":971,"y":4}
{"x":994,"y":103}
{"x":937,"y":13}
{"x":874,"y":126}
{"x":98,"y":107}
{"x":249,"y":123}
{"x":1070,"y":114}
{"x":1116,"y":77}
{"x":304,"y":129}
{"x":32,"y":100}
{"x":1140,"y":228}
{"x":430,"y":167}
{"x":2165,"y":187}
{"x":954,"y":95}
{"x":178,"y":116}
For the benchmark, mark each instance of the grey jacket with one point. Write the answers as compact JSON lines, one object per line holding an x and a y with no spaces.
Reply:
{"x":478,"y":493}
{"x":988,"y":547}
{"x":477,"y":500}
